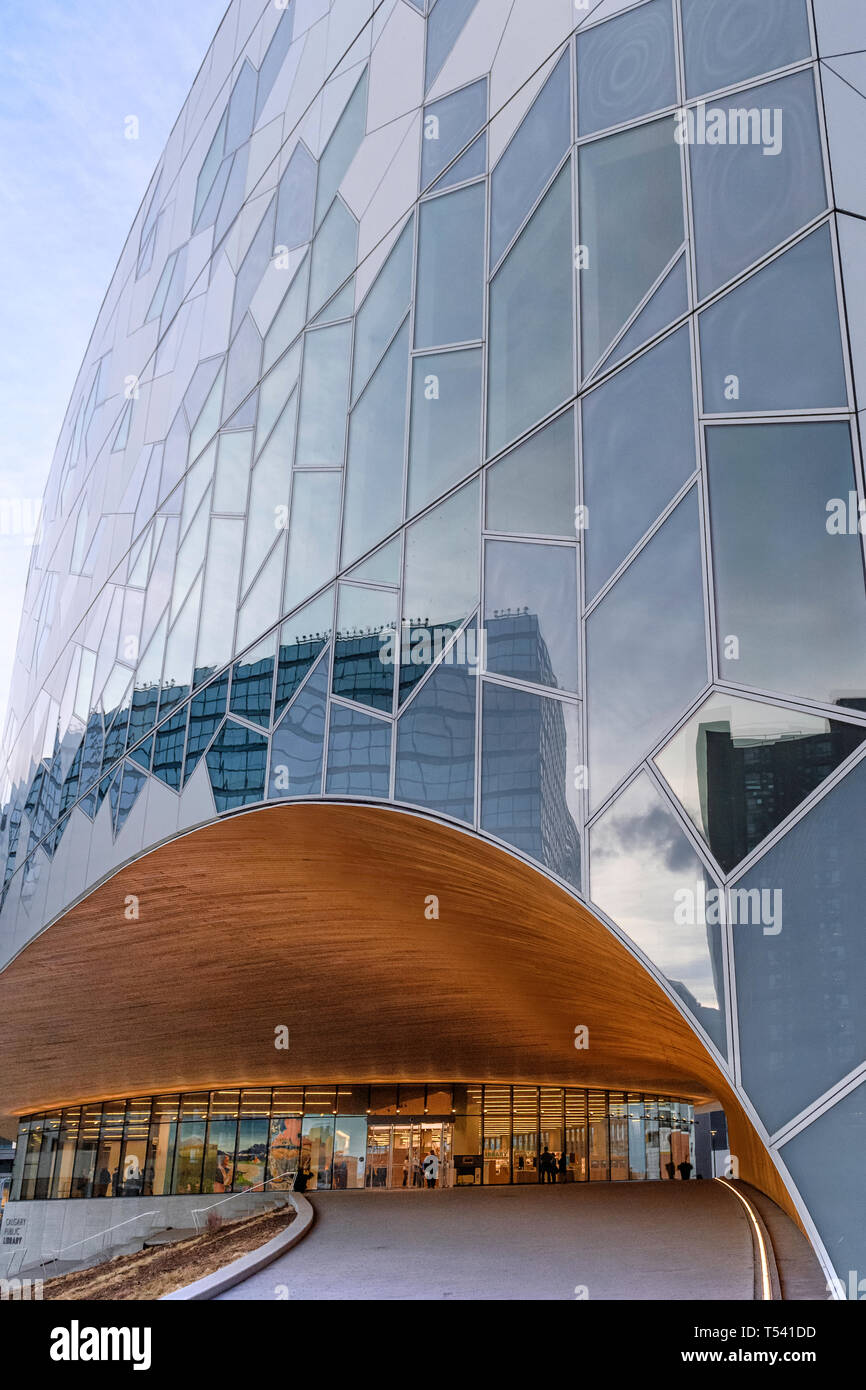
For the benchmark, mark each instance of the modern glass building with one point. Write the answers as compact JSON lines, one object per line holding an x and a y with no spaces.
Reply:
{"x":263,"y":1137}
{"x":445,"y":646}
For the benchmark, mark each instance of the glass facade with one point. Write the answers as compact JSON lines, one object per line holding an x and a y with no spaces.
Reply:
{"x":347,"y":1137}
{"x":485,"y":443}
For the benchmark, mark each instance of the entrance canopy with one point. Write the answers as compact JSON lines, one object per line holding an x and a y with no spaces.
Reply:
{"x":380,"y":946}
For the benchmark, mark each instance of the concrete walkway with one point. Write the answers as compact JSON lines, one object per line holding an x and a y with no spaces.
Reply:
{"x":666,"y":1241}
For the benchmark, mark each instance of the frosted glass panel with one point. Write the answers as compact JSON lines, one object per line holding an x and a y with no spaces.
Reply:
{"x":374,"y":468}
{"x":449,"y":305}
{"x":530,"y":159}
{"x":531,"y":490}
{"x":324,"y":392}
{"x":449,"y":125}
{"x":746,"y":200}
{"x":531,"y":369}
{"x":313,"y":533}
{"x":625,"y":68}
{"x":728,"y":41}
{"x":631,"y":224}
{"x":446,"y":423}
{"x":773,"y":343}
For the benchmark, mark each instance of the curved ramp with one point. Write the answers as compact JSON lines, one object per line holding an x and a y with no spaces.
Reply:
{"x":657,"y":1241}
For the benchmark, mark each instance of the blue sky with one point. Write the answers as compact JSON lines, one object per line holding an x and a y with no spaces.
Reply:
{"x":70,"y":185}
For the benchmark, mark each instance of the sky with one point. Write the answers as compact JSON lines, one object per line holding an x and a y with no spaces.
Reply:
{"x":71,"y":72}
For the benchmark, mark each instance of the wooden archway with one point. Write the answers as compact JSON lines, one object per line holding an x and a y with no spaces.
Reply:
{"x":320,"y":918}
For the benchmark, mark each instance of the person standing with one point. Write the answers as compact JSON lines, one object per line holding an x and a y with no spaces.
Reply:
{"x":547,"y":1165}
{"x":431,"y":1169}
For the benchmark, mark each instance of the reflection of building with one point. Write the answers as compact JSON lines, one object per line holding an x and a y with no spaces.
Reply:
{"x":750,"y":786}
{"x":525,"y":762}
{"x":419,"y":408}
{"x":363,"y":669}
{"x":515,"y":647}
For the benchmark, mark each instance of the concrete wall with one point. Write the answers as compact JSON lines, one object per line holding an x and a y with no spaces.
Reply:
{"x":79,"y":1229}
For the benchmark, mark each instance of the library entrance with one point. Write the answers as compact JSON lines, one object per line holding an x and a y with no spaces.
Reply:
{"x":399,"y":1154}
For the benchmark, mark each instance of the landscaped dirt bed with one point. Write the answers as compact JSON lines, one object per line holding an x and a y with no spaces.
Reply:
{"x":161,"y":1270}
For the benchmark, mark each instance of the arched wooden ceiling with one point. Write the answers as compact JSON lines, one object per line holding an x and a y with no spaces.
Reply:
{"x":314,"y":917}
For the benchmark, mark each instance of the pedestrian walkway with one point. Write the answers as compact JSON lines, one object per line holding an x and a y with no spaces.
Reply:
{"x":668,"y":1241}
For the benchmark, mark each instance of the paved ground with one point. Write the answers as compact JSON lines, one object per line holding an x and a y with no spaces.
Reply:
{"x":655,"y":1241}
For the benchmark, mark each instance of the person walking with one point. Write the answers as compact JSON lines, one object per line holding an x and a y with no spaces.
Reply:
{"x":431,"y":1169}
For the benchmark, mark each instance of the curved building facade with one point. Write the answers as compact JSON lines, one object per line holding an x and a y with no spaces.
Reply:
{"x":446,"y":638}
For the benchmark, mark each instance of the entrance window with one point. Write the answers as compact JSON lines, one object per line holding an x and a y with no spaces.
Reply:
{"x":350,"y":1151}
{"x":599,"y":1157}
{"x":50,"y":1132}
{"x":135,"y":1134}
{"x":219,"y":1159}
{"x":285,"y":1150}
{"x":378,"y":1155}
{"x":190,"y":1156}
{"x":317,"y":1150}
{"x":652,"y":1137}
{"x":65,"y":1163}
{"x":467,"y":1157}
{"x":497,"y":1134}
{"x":618,"y":1137}
{"x":160,"y":1147}
{"x":551,"y":1117}
{"x":575,"y":1136}
{"x":636,"y":1139}
{"x":665,"y":1139}
{"x":31,"y":1161}
{"x":524,"y":1142}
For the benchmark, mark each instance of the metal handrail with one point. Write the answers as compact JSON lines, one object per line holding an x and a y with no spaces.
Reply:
{"x":96,"y":1235}
{"x":245,"y":1192}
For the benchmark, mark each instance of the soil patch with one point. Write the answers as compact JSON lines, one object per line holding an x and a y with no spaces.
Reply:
{"x":164,"y":1268}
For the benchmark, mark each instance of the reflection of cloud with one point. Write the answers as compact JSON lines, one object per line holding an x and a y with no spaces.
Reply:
{"x":651,"y":833}
{"x":646,"y":650}
{"x":639,"y":859}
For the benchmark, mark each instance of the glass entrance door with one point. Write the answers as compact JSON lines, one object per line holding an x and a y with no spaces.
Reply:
{"x":396,"y":1155}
